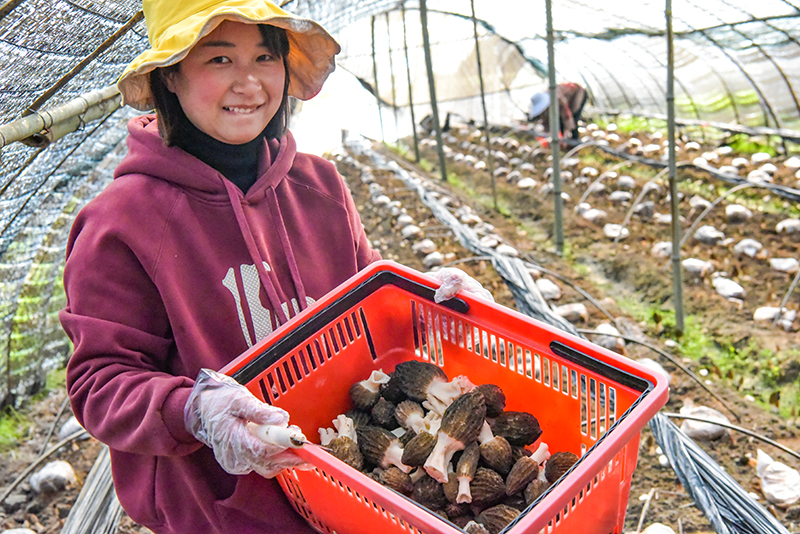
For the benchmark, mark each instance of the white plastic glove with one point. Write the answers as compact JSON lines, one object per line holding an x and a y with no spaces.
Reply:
{"x":217,"y":414}
{"x":454,"y":280}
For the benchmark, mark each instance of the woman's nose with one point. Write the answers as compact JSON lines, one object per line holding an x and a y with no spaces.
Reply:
{"x":246,"y":83}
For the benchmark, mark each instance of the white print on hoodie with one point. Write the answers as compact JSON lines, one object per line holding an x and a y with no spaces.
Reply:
{"x":261,"y":316}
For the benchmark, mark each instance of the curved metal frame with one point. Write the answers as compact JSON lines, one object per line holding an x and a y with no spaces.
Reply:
{"x":722,"y":82}
{"x":760,"y":49}
{"x":762,"y":99}
{"x":683,"y":87}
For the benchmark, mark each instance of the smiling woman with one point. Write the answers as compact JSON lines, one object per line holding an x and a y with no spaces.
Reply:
{"x":214,"y":232}
{"x":233,"y":83}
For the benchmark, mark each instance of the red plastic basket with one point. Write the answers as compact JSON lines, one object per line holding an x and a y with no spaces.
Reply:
{"x":587,"y":399}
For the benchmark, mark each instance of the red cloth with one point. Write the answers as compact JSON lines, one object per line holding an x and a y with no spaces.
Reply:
{"x":160,"y":283}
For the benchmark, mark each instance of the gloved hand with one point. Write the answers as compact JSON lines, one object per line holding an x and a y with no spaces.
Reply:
{"x":217,"y":414}
{"x":454,"y":280}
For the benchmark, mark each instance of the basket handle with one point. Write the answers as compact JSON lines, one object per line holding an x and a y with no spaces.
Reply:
{"x":333,"y":310}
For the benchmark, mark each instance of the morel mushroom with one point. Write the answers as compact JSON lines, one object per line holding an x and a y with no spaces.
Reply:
{"x":418,"y":449}
{"x":494,"y":397}
{"x":381,"y":447}
{"x":519,"y":428}
{"x":429,"y":493}
{"x":475,"y":528}
{"x":558,"y":464}
{"x":450,"y":487}
{"x":424,"y":381}
{"x":397,"y":480}
{"x":344,"y":426}
{"x":461,"y":423}
{"x":515,"y":501}
{"x":456,"y":510}
{"x":495,"y":450}
{"x":358,"y":417}
{"x":365,"y":393}
{"x":383,"y":414}
{"x":347,"y":451}
{"x":415,"y":377}
{"x":410,"y":415}
{"x":465,"y":470}
{"x":497,"y":517}
{"x":391,"y":390}
{"x":524,"y":471}
{"x":487,"y":487}
{"x":534,"y":489}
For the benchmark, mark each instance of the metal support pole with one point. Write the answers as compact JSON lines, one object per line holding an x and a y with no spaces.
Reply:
{"x":375,"y":77}
{"x":426,"y":44}
{"x":410,"y":89}
{"x":391,"y":74}
{"x":677,"y":272}
{"x":555,"y":129}
{"x":483,"y":104}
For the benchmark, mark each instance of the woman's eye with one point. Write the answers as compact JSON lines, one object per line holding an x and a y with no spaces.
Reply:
{"x":219,"y":60}
{"x":266,"y":57}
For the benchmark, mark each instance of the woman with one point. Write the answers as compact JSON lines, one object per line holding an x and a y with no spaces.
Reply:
{"x":213,"y":232}
{"x":211,"y":210}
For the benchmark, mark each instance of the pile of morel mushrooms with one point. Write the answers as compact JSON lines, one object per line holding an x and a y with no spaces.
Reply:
{"x":447,"y":444}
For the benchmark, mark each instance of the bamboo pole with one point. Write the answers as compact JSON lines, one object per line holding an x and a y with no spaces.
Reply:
{"x":61,"y":119}
{"x":426,"y":44}
{"x":490,"y":158}
{"x":375,"y":76}
{"x":677,"y":273}
{"x":555,"y":143}
{"x":410,"y":89}
{"x":8,"y":7}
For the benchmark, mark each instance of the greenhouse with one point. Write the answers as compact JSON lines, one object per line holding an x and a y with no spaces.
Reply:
{"x":648,"y":244}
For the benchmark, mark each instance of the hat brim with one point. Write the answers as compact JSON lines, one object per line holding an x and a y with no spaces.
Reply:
{"x":539,"y":103}
{"x":310,"y":60}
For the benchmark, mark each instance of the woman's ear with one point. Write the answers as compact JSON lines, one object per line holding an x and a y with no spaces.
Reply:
{"x":168,"y":78}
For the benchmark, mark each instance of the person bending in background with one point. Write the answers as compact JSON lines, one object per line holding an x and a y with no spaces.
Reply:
{"x":571,"y":99}
{"x":213,"y":233}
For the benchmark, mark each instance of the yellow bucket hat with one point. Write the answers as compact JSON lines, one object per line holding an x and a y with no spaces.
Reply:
{"x":175,"y":26}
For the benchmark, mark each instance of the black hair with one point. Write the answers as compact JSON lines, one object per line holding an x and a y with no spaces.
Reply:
{"x":172,"y":121}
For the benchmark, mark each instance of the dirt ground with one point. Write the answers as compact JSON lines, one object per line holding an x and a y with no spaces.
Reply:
{"x":610,"y":272}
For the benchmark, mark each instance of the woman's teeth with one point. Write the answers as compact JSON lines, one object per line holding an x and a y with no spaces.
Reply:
{"x":243,"y":111}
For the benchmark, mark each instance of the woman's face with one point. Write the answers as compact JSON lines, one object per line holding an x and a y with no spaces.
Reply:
{"x":230,"y":85}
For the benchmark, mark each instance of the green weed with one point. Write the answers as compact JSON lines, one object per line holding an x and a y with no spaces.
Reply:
{"x":13,"y":427}
{"x":750,"y":145}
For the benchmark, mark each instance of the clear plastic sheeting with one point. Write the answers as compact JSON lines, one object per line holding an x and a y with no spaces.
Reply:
{"x":736,"y":62}
{"x":728,"y":506}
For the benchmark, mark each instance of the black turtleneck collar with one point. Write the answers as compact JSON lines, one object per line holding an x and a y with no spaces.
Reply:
{"x":237,"y":163}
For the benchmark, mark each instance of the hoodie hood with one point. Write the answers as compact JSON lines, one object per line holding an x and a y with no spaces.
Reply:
{"x":148,"y":155}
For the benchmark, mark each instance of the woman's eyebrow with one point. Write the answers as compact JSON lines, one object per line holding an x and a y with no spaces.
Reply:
{"x":227,"y":44}
{"x":223,"y":44}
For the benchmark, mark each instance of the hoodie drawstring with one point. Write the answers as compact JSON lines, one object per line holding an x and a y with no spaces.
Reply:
{"x":244,"y":227}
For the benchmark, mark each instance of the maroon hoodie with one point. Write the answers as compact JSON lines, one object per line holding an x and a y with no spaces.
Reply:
{"x":172,"y":269}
